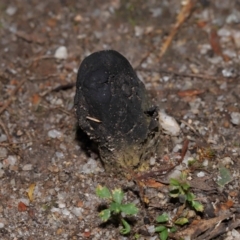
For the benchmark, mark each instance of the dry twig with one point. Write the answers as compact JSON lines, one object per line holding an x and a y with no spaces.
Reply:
{"x":182,"y":16}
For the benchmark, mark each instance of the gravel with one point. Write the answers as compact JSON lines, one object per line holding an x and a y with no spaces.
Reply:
{"x":43,"y":43}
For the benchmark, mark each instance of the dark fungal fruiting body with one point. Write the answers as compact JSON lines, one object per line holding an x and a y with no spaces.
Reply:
{"x":112,"y":107}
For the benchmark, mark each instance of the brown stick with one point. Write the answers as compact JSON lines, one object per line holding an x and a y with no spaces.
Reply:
{"x":182,"y":16}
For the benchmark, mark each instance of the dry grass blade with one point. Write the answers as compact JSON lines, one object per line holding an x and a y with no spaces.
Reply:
{"x":6,"y":131}
{"x":182,"y":16}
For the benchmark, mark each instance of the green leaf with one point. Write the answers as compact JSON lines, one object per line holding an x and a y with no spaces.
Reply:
{"x":164,"y":234}
{"x":173,"y":229}
{"x":224,"y":176}
{"x":190,"y":197}
{"x":115,"y":207}
{"x":103,"y":192}
{"x":117,"y":195}
{"x":129,"y":208}
{"x":197,"y":206}
{"x":185,"y":186}
{"x":126,"y":227}
{"x":174,"y":182}
{"x":160,"y":228}
{"x":105,"y":214}
{"x":181,"y":221}
{"x":162,"y":218}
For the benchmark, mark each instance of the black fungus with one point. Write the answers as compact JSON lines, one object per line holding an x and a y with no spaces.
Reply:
{"x":113,"y":108}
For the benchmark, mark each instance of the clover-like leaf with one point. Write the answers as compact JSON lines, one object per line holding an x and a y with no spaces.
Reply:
{"x":162,"y":218}
{"x":103,"y":192}
{"x":115,"y":207}
{"x":117,"y":195}
{"x":190,"y":196}
{"x":129,"y":208}
{"x":185,"y":186}
{"x":174,"y":182}
{"x":173,"y":229}
{"x":197,"y":206}
{"x":181,"y":221}
{"x":224,"y":176}
{"x":164,"y":234}
{"x":160,"y":228}
{"x":105,"y":214}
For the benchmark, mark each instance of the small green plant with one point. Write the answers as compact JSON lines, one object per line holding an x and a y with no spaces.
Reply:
{"x":116,"y":207}
{"x":180,"y":188}
{"x":164,"y":228}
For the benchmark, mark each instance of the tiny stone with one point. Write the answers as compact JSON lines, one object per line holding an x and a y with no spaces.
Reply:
{"x":19,"y":133}
{"x":156,"y":12}
{"x":205,"y":163}
{"x":152,"y":161}
{"x":1,"y":173}
{"x":11,"y":10}
{"x":12,"y":160}
{"x":3,"y":138}
{"x":151,"y":228}
{"x":59,"y":155}
{"x":226,"y":161}
{"x":235,"y":118}
{"x":177,"y":148}
{"x":3,"y":152}
{"x":61,"y":53}
{"x":78,"y":18}
{"x":235,"y":234}
{"x":27,"y":167}
{"x":61,"y":205}
{"x":201,"y":174}
{"x":1,"y":225}
{"x":169,"y":124}
{"x":138,"y":31}
{"x":77,"y":211}
{"x":65,"y":212}
{"x":54,"y":134}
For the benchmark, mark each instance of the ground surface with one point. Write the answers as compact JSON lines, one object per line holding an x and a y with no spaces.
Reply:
{"x":196,"y":82}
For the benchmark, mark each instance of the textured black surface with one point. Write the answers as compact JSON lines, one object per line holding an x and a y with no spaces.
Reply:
{"x":109,"y":91}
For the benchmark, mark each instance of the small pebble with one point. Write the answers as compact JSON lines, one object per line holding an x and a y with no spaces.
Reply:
{"x":65,"y":212}
{"x":77,"y":211}
{"x":205,"y":163}
{"x":235,"y":118}
{"x":152,"y":161}
{"x":54,"y":134}
{"x":235,"y":234}
{"x":151,"y":228}
{"x":11,"y":10}
{"x":3,"y":153}
{"x":61,"y":53}
{"x":1,"y":225}
{"x":201,"y":174}
{"x":169,"y":124}
{"x":156,"y":12}
{"x":1,"y":173}
{"x":3,"y":138}
{"x":226,"y":161}
{"x":12,"y":160}
{"x":61,"y":205}
{"x":27,"y":167}
{"x":138,"y":31}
